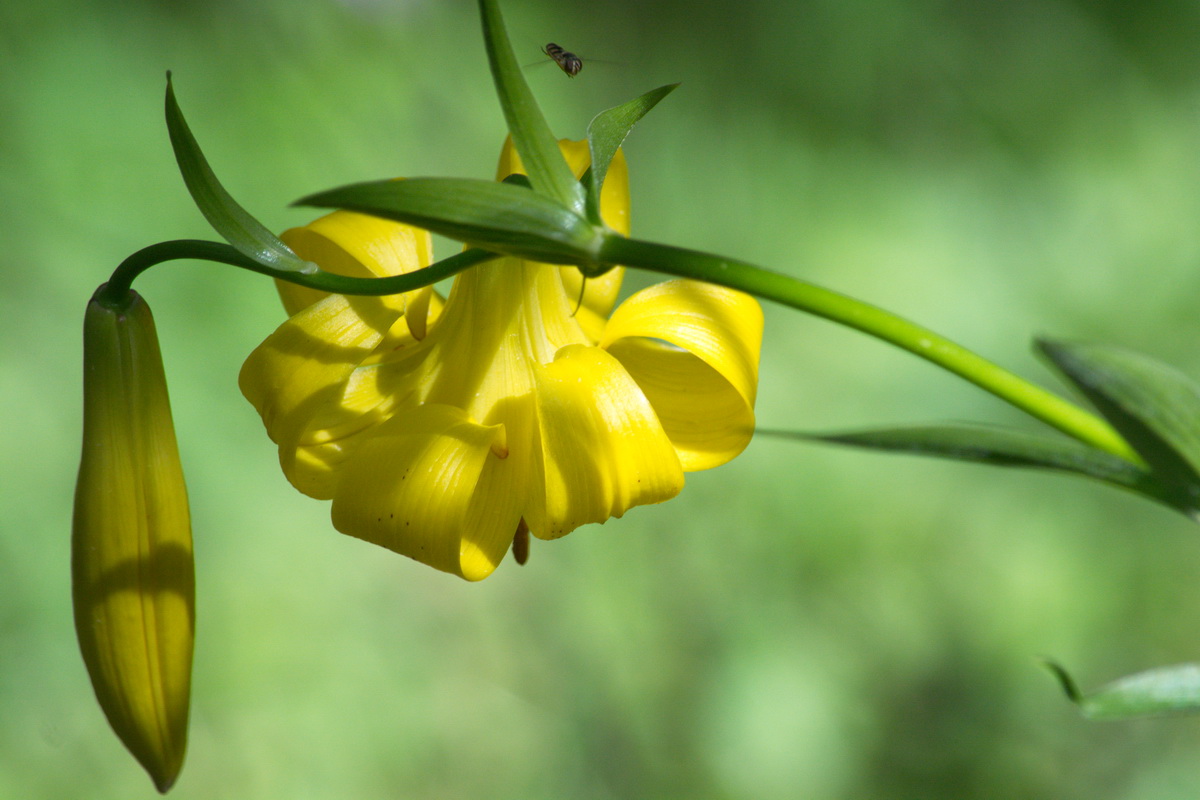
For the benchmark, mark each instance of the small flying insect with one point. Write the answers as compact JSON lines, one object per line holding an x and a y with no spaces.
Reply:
{"x":567,"y":61}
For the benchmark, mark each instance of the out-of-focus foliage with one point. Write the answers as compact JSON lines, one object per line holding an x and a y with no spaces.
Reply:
{"x":801,"y":623}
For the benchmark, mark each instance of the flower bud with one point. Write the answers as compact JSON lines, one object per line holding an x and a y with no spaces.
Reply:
{"x":131,"y":547}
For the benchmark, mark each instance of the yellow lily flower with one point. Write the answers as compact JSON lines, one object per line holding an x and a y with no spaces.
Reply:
{"x":131,"y":546}
{"x":446,"y":433}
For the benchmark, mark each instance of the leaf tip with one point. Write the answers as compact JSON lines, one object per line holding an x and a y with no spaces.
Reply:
{"x":1069,"y":687}
{"x":309,"y":200}
{"x":1048,"y":347}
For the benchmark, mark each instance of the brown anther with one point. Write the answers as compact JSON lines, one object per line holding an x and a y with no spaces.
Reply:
{"x":520,"y":545}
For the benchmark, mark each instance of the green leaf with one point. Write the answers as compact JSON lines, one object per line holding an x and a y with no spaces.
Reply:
{"x":228,"y":218}
{"x":1155,"y":692}
{"x":544,"y":162}
{"x":997,"y":446}
{"x":607,"y":131}
{"x":1153,"y":406}
{"x":502,"y":217}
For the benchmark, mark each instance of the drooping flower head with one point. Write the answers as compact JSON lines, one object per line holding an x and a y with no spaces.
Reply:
{"x":440,"y":431}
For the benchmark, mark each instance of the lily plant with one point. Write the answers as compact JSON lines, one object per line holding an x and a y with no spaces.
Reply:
{"x":525,"y":404}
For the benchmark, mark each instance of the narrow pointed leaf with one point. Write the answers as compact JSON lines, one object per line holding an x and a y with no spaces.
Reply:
{"x":997,"y":446}
{"x":547,"y":169}
{"x":502,"y":217}
{"x":228,"y":218}
{"x":608,"y":130}
{"x":1153,"y":406}
{"x":1155,"y":692}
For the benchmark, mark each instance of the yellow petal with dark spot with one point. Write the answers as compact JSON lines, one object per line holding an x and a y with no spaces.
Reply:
{"x":431,"y":484}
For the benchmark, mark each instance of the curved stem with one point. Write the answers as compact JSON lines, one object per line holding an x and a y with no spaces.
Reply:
{"x":922,"y":342}
{"x":119,"y":284}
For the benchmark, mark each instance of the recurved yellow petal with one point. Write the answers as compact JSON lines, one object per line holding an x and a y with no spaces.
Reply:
{"x":433,"y":485}
{"x":693,"y":349}
{"x":603,"y":449}
{"x":361,"y":246}
{"x":306,"y":383}
{"x":131,"y":544}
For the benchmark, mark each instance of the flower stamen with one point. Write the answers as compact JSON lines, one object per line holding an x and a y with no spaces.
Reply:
{"x":520,"y":545}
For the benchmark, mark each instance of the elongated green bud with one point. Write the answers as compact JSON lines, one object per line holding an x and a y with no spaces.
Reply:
{"x":131,"y":548}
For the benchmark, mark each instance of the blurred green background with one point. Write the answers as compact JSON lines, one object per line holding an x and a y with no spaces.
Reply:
{"x":803,"y":622}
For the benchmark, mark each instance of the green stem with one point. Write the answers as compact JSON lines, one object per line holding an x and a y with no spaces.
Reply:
{"x":119,"y":284}
{"x":922,"y":342}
